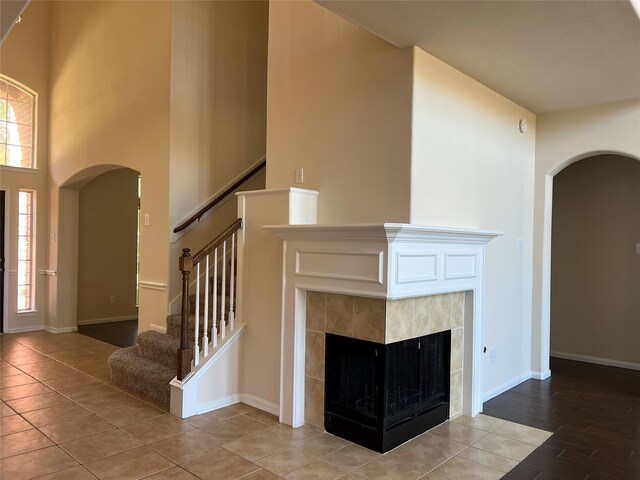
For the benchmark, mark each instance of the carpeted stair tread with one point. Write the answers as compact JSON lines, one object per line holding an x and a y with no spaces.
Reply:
{"x":160,"y":348}
{"x":131,"y":370}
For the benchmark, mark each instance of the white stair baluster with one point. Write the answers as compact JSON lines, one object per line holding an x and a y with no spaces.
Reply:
{"x":205,"y":335}
{"x":232,"y":283}
{"x":196,"y":348}
{"x":223,"y":325}
{"x":214,"y":319}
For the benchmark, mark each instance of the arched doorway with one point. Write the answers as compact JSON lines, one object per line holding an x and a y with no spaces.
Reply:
{"x":595,"y":270}
{"x":108,"y":226}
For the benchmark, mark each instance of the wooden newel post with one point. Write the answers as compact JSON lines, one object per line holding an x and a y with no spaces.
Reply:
{"x":184,"y":352}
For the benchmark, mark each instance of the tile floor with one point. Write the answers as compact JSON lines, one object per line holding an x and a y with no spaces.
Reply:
{"x":62,"y":418}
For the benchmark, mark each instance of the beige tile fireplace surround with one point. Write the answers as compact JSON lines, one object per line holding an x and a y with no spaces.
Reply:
{"x":381,"y":321}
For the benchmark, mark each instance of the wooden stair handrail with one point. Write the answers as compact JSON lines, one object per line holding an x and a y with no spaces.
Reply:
{"x":220,"y":239}
{"x":232,"y":188}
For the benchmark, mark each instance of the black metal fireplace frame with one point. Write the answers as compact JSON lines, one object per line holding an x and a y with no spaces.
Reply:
{"x":376,"y":429}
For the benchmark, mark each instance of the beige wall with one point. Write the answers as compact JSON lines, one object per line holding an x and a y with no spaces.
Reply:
{"x":24,"y":57}
{"x":110,"y":76}
{"x":339,"y":106}
{"x":107,"y":243}
{"x":563,"y":138}
{"x":595,"y":270}
{"x":218,"y":113}
{"x":471,"y":167}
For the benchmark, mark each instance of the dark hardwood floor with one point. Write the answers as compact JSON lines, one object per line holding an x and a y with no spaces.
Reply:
{"x":120,"y":334}
{"x":594,"y":412}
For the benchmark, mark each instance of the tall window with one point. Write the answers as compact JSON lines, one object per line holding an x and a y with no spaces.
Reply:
{"x":25,"y":250}
{"x":16,"y":125}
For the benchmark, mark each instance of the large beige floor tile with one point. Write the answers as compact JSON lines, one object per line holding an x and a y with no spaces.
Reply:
{"x":258,"y":445}
{"x":264,"y":417}
{"x":458,"y":433}
{"x":482,"y":422}
{"x":101,"y":445}
{"x":13,"y":424}
{"x":77,"y":428}
{"x":317,"y":470}
{"x":37,"y":402}
{"x":88,"y":391}
{"x":22,"y":442}
{"x":461,"y":469}
{"x":505,"y":447}
{"x":16,"y":380}
{"x":130,"y":465}
{"x":262,"y":474}
{"x":76,"y":473}
{"x":526,"y":434}
{"x":488,"y":459}
{"x":175,"y":473}
{"x":106,"y":402}
{"x":322,"y":444}
{"x":70,"y":381}
{"x":23,"y":391}
{"x":157,"y":428}
{"x":221,"y":464}
{"x":285,"y":461}
{"x":5,"y":410}
{"x":57,"y":414}
{"x":440,"y":443}
{"x":226,"y":431}
{"x":135,"y":412}
{"x":351,"y":457}
{"x":36,"y":464}
{"x":186,"y":446}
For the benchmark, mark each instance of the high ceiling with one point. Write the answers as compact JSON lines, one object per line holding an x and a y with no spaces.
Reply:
{"x":543,"y":55}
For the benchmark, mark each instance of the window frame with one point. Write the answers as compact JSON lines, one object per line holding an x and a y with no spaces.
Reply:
{"x":34,"y":127}
{"x":30,"y":308}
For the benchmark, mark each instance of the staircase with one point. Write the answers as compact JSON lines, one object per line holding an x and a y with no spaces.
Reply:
{"x":192,"y":339}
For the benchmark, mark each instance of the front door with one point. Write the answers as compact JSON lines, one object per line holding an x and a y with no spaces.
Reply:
{"x":2,"y":192}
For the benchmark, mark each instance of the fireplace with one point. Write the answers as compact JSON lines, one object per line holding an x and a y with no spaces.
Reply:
{"x":380,"y":396}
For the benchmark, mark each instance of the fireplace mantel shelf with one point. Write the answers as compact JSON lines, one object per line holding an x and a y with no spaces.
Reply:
{"x":389,"y":232}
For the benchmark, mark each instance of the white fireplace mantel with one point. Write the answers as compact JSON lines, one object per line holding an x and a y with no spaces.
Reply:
{"x":390,"y":261}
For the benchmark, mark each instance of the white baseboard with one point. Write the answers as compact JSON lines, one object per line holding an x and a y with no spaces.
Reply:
{"x":220,"y":403}
{"x":250,"y":400}
{"x":541,"y":375}
{"x":32,"y":328}
{"x":597,"y":360}
{"x":494,"y":392}
{"x":60,"y":329}
{"x":260,"y":404}
{"x":158,"y":328}
{"x":93,"y":321}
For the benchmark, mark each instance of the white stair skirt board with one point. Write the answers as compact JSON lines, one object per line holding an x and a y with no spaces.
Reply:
{"x":597,"y":360}
{"x":494,"y":392}
{"x":214,"y":383}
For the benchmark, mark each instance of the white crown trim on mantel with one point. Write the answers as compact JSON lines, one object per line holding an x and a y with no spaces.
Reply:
{"x":387,"y":260}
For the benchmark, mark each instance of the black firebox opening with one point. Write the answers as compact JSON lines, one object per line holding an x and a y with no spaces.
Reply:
{"x":379,"y":396}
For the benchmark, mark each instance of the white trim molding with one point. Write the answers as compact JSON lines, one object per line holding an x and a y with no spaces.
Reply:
{"x":152,"y":285}
{"x":60,"y":329}
{"x":514,"y":382}
{"x":369,"y":260}
{"x":596,"y":360}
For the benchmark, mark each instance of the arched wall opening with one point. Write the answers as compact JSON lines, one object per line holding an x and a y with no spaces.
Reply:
{"x":541,"y":335}
{"x":94,"y":248}
{"x":595,"y":270}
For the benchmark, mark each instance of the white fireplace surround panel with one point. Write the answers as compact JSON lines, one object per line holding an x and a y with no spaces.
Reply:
{"x":389,"y":261}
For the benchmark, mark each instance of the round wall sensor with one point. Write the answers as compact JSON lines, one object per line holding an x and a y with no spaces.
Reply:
{"x":522,"y":125}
